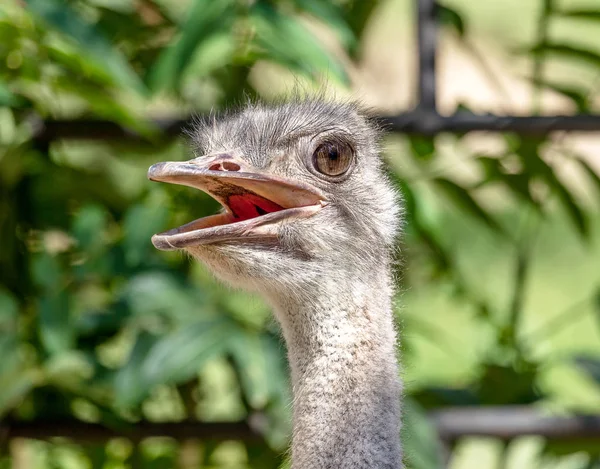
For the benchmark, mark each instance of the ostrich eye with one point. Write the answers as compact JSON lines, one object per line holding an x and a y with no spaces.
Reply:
{"x":333,"y":159}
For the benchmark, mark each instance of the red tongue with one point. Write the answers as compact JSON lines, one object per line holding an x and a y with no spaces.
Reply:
{"x":249,"y":206}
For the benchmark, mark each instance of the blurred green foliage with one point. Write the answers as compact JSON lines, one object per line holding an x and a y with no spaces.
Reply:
{"x":98,"y":326}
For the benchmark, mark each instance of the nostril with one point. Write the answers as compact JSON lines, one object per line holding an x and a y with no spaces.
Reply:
{"x":215,"y":167}
{"x":231,"y":166}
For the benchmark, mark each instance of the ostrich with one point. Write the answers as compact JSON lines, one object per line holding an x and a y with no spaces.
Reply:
{"x":309,"y":222}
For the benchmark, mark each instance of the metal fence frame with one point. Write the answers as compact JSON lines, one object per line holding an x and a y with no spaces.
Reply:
{"x":503,"y":423}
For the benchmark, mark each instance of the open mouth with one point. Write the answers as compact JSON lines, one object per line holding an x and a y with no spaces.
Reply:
{"x":254,"y":202}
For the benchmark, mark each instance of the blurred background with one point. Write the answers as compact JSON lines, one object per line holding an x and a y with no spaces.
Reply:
{"x":115,"y":355}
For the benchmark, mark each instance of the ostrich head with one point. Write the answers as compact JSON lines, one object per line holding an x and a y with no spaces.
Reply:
{"x":303,"y":194}
{"x":309,"y":221}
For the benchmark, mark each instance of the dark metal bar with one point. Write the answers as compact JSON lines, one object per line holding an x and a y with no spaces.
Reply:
{"x":93,"y":432}
{"x":92,"y":129}
{"x":433,"y":123}
{"x":508,"y":422}
{"x":503,"y":422}
{"x":415,"y":122}
{"x":426,"y":45}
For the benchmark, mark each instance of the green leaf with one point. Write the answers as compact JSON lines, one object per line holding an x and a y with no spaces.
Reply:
{"x":8,"y":98}
{"x":9,"y":310}
{"x":332,"y":15}
{"x":154,"y":292}
{"x":277,"y":367}
{"x":247,"y":353}
{"x":9,"y":348}
{"x":285,"y":40}
{"x":518,"y":184}
{"x":358,"y":14}
{"x":68,"y":21}
{"x":591,"y":172}
{"x":463,"y":199}
{"x":423,"y":147}
{"x":577,"y":95}
{"x":55,"y":328}
{"x":432,"y":397}
{"x":567,"y":51}
{"x":508,"y":384}
{"x":205,"y":19}
{"x":419,"y":438}
{"x":452,"y":18}
{"x":130,"y":388}
{"x":425,"y":234}
{"x":14,"y":388}
{"x":560,"y":448}
{"x":528,"y":151}
{"x":581,"y":13}
{"x":591,"y":366}
{"x":68,"y":370}
{"x":88,"y":228}
{"x":100,"y":98}
{"x":178,"y":356}
{"x":140,"y":223}
{"x":47,"y":272}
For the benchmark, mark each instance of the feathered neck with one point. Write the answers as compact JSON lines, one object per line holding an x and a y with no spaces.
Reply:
{"x":341,"y":344}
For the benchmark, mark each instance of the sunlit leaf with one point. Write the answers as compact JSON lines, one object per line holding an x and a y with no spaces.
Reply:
{"x":68,"y":21}
{"x":205,"y":19}
{"x":287,"y":41}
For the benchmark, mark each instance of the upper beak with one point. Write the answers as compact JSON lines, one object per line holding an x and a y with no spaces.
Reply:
{"x":232,"y":181}
{"x":222,"y":176}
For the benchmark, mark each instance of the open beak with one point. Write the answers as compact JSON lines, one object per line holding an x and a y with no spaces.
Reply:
{"x":254,"y":201}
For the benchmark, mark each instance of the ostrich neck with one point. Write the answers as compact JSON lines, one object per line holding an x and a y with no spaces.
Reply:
{"x":342,"y":349}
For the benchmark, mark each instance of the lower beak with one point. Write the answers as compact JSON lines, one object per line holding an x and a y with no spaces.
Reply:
{"x":254,"y":200}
